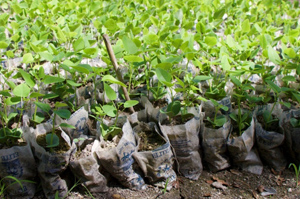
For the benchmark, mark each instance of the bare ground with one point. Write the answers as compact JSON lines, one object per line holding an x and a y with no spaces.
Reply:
{"x":236,"y":185}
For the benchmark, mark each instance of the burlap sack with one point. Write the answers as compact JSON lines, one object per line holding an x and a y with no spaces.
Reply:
{"x":157,"y":163}
{"x":184,"y":139}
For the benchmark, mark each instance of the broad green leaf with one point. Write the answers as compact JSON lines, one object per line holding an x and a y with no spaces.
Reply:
{"x":38,"y":117}
{"x":219,"y":14}
{"x":12,"y":100}
{"x":3,"y":45}
{"x":235,"y":81}
{"x":273,"y":56}
{"x":44,"y":107}
{"x":129,"y":45}
{"x":63,"y":113}
{"x":220,"y":120}
{"x":52,"y":79}
{"x":130,"y":103}
{"x":52,"y":140}
{"x":111,"y":79}
{"x":230,"y":42}
{"x":27,"y":58}
{"x":290,"y":52}
{"x":21,"y":90}
{"x":211,"y":41}
{"x":60,"y":104}
{"x":110,"y":110}
{"x":90,"y":51}
{"x":233,"y":116}
{"x":200,"y":78}
{"x":27,"y":77}
{"x":46,"y":56}
{"x":81,"y":69}
{"x":111,"y":94}
{"x":133,"y":58}
{"x":78,"y":44}
{"x":225,"y":63}
{"x":246,"y":26}
{"x":164,"y":77}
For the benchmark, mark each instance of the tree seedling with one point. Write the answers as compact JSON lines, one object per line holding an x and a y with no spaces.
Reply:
{"x":52,"y":139}
{"x":218,"y":120}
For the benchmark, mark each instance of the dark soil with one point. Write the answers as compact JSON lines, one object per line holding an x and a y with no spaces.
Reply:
{"x":150,"y":140}
{"x":177,"y":120}
{"x":61,"y":148}
{"x":158,"y":104}
{"x":273,"y":126}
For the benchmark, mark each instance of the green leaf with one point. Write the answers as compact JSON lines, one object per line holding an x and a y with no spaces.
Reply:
{"x":111,"y":79}
{"x":27,"y":58}
{"x":27,"y":77}
{"x":235,"y":81}
{"x":38,"y":117}
{"x":290,"y":52}
{"x":294,"y":122}
{"x":164,"y":77}
{"x":289,"y":78}
{"x":111,"y":94}
{"x":3,"y":45}
{"x":225,"y":63}
{"x":219,"y":14}
{"x":46,"y":56}
{"x":52,"y":79}
{"x":129,"y":45}
{"x":11,"y":116}
{"x":78,"y":44}
{"x":233,"y":116}
{"x":220,"y":120}
{"x":55,"y":140}
{"x":60,"y":104}
{"x":63,"y":113}
{"x":65,"y":125}
{"x":110,"y":110}
{"x":246,"y":26}
{"x":201,"y":78}
{"x":12,"y":100}
{"x":44,"y":107}
{"x":81,"y":69}
{"x":133,"y":58}
{"x":273,"y":86}
{"x":130,"y":103}
{"x":273,"y":56}
{"x":72,"y":83}
{"x":35,"y":95}
{"x":211,"y":41}
{"x":21,"y":90}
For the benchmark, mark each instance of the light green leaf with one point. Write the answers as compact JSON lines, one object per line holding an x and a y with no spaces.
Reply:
{"x":289,"y":78}
{"x":27,"y":77}
{"x":65,"y":125}
{"x":290,"y":52}
{"x":273,"y":86}
{"x":46,"y":56}
{"x":273,"y":56}
{"x":52,"y":79}
{"x":211,"y":41}
{"x":3,"y":45}
{"x":129,"y":45}
{"x":200,"y":78}
{"x":111,"y":94}
{"x":246,"y":26}
{"x":78,"y":44}
{"x":133,"y":58}
{"x":55,"y":140}
{"x":27,"y":58}
{"x":110,"y":110}
{"x":225,"y":63}
{"x":21,"y":90}
{"x":72,"y":83}
{"x":111,"y":79}
{"x":164,"y":77}
{"x":130,"y":103}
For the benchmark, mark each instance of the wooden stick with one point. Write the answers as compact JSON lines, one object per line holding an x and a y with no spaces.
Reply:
{"x":116,"y":67}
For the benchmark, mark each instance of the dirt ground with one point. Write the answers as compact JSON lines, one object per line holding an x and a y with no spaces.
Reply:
{"x":233,"y":184}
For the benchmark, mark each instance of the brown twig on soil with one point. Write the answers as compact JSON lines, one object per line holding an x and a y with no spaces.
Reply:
{"x":116,"y":67}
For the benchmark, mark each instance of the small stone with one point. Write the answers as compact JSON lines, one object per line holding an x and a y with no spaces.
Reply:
{"x":289,"y":190}
{"x":116,"y":196}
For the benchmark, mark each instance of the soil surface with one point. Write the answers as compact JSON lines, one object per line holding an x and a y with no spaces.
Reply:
{"x":61,"y":148}
{"x":232,"y":184}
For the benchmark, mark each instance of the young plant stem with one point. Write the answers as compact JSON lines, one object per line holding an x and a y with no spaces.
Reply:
{"x":240,"y":116}
{"x":116,"y":67}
